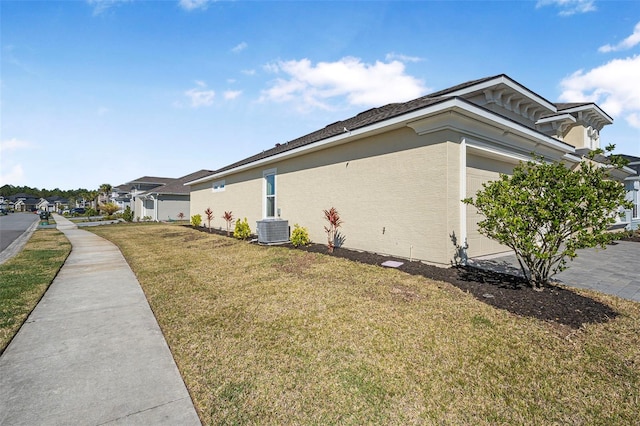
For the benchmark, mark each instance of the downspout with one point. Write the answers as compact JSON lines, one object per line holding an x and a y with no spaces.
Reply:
{"x":463,"y":195}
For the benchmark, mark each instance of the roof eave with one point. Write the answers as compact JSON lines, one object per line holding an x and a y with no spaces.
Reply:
{"x":395,"y":122}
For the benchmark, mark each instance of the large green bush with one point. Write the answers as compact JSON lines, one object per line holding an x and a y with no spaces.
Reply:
{"x":546,"y":211}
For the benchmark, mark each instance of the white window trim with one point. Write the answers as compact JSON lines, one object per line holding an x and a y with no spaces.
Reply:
{"x":266,"y":173}
{"x":218,"y":186}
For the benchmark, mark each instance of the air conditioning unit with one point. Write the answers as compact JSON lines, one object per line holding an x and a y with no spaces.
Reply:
{"x":272,"y":231}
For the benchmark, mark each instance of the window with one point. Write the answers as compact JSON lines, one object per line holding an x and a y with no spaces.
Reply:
{"x":218,"y":186}
{"x":269,"y":192}
{"x":635,"y":201}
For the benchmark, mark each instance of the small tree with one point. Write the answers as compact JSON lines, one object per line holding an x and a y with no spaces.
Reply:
{"x":544,"y":212}
{"x":228,"y":217}
{"x":127,"y":215}
{"x":196,"y":220}
{"x":109,"y":208}
{"x":209,"y":213}
{"x":333,"y":217}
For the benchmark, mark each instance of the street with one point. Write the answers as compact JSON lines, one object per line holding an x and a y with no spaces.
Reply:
{"x":13,"y":225}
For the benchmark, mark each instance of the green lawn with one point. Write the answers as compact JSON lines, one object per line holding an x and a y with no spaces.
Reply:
{"x":25,"y":278}
{"x":268,"y":335}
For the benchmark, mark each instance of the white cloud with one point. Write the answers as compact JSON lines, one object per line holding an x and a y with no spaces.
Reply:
{"x":12,"y":172}
{"x":14,"y":145}
{"x":569,"y":7}
{"x":249,"y":72}
{"x":193,"y":4}
{"x":200,"y":98}
{"x":625,"y":44}
{"x":14,"y":175}
{"x":239,"y":48}
{"x":614,"y":86}
{"x":633,"y":120}
{"x":100,"y":6}
{"x":232,"y":94}
{"x":402,"y":58}
{"x":360,"y":84}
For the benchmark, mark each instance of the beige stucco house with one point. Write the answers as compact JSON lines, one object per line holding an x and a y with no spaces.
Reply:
{"x":397,"y":174}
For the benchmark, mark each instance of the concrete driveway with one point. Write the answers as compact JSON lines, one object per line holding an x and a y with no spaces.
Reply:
{"x":614,"y":270}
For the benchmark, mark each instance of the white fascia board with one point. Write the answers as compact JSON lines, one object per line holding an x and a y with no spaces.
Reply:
{"x":606,"y":117}
{"x":514,"y":127}
{"x":560,"y":117}
{"x":395,"y":123}
{"x":493,"y":152}
{"x":511,"y":84}
{"x":572,"y":158}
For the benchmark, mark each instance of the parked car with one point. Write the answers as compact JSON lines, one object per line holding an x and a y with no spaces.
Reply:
{"x":78,"y":210}
{"x":3,"y":212}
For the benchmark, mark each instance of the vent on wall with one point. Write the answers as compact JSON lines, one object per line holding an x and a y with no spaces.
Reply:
{"x":272,"y":231}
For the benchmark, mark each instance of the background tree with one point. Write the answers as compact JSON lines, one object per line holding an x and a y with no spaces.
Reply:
{"x":105,"y":190}
{"x":544,"y":212}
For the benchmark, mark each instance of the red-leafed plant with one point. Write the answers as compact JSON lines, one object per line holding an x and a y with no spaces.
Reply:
{"x":228,"y":217}
{"x":181,"y":216}
{"x":333,"y":217}
{"x":209,"y":214}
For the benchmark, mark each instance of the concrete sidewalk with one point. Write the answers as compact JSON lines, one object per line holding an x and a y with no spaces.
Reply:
{"x":91,"y":352}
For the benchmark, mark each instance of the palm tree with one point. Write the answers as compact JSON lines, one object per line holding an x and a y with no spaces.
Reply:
{"x":105,"y":189}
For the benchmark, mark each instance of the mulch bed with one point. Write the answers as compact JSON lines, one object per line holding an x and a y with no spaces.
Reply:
{"x":557,"y":304}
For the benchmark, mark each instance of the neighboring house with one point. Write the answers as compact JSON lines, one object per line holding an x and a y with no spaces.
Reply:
{"x":121,"y":195}
{"x":632,"y":185}
{"x":397,"y":174}
{"x":24,"y":202}
{"x":140,"y":186}
{"x":52,"y":204}
{"x":165,"y":202}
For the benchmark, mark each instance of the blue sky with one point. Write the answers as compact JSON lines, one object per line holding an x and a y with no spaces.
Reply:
{"x":106,"y":91}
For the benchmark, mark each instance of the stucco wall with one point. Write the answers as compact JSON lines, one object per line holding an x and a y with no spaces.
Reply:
{"x":170,"y":205}
{"x":397,"y":193}
{"x":479,"y":170}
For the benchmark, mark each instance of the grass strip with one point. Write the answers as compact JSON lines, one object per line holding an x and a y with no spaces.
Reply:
{"x":268,"y":335}
{"x":25,"y":278}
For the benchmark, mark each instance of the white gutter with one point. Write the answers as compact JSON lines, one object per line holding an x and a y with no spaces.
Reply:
{"x":399,"y":122}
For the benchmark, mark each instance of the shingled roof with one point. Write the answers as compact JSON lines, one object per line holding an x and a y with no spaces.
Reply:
{"x":365,"y":118}
{"x":150,"y":180}
{"x":176,"y":186}
{"x":369,"y":117}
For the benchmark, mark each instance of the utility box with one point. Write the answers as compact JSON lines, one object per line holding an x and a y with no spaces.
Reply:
{"x":271,"y":231}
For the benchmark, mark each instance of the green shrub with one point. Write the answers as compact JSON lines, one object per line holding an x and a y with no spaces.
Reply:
{"x":300,"y":236}
{"x":127,"y":215}
{"x":196,"y":220}
{"x":242,"y":230}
